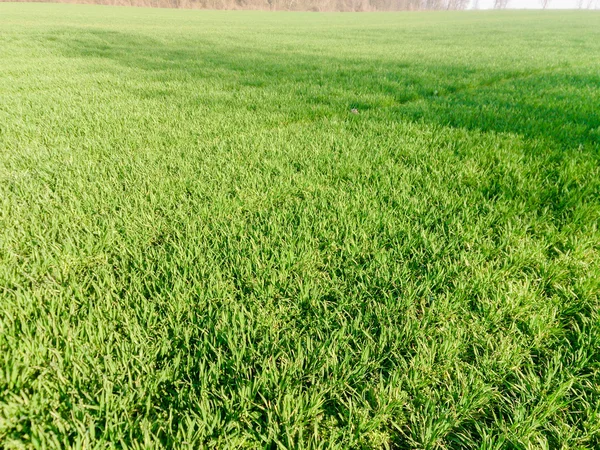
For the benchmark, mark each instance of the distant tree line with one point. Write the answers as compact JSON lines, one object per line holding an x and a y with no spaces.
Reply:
{"x":324,"y":5}
{"x":293,"y":5}
{"x":341,"y":5}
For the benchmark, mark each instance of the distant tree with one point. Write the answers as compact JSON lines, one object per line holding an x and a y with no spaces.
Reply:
{"x":545,"y":3}
{"x":500,"y":4}
{"x":457,"y":4}
{"x":431,"y":4}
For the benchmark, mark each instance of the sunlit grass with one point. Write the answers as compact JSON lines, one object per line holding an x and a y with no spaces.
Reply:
{"x":202,"y":245}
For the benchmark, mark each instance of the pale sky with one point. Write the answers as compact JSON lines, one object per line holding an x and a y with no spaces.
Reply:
{"x":554,"y":4}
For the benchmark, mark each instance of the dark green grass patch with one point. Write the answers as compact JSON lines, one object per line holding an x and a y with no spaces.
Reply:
{"x":202,"y":245}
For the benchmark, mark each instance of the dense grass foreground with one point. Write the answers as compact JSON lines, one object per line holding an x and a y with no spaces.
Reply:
{"x":202,"y":245}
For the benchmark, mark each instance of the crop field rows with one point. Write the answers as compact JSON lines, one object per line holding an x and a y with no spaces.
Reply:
{"x":295,"y":230}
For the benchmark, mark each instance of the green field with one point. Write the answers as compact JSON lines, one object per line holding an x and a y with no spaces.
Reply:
{"x":202,"y":245}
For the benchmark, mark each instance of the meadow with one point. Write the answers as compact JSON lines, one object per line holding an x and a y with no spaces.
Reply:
{"x":299,"y":230}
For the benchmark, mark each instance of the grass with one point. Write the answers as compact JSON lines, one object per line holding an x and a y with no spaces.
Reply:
{"x":201,"y":245}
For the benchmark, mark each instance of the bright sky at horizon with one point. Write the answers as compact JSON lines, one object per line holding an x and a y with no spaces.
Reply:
{"x":533,"y":4}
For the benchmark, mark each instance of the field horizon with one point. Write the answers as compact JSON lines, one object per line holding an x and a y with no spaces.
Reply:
{"x":315,"y":5}
{"x":251,"y":230}
{"x":273,"y":5}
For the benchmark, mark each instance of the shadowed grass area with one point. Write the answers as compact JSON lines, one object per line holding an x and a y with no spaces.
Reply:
{"x":202,"y":245}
